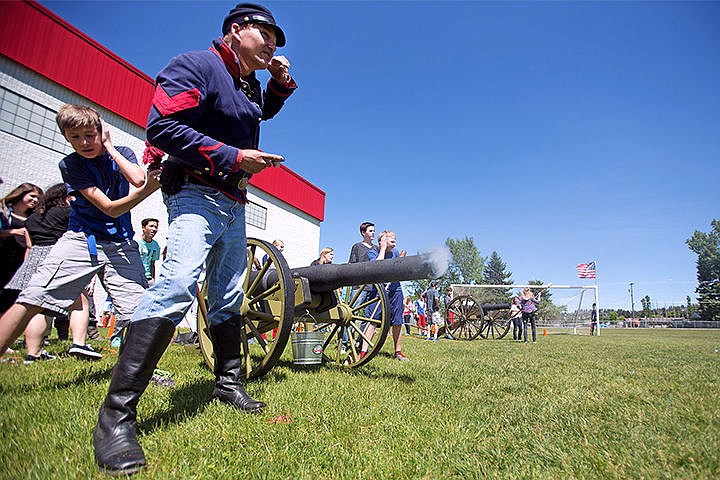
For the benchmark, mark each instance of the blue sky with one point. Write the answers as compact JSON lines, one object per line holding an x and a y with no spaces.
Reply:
{"x":554,"y":133}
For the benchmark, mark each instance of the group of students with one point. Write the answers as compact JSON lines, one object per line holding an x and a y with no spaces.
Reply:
{"x":31,"y":223}
{"x":425,"y":311}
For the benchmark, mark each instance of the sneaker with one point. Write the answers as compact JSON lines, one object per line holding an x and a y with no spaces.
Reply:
{"x":84,"y":351}
{"x":43,"y":356}
{"x":343,"y":351}
{"x":401,"y":357}
{"x":163,"y":378}
{"x":92,"y":332}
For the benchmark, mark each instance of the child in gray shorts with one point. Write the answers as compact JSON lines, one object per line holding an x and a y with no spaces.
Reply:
{"x":99,"y":237}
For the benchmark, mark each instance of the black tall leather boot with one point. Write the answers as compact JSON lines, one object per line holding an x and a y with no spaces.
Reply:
{"x":228,"y":367}
{"x":117,"y":451}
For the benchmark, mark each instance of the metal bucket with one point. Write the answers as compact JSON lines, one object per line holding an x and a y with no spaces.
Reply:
{"x":307,"y":347}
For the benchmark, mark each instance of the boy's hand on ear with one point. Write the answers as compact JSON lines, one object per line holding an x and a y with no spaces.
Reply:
{"x":106,"y":141}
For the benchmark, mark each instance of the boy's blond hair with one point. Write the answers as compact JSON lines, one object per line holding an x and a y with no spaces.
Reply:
{"x":77,"y":116}
{"x":386,"y":232}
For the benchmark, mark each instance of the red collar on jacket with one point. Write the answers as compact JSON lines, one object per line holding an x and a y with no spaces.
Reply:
{"x":228,"y":57}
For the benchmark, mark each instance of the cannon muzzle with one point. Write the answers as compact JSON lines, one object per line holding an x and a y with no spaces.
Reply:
{"x":326,"y":278}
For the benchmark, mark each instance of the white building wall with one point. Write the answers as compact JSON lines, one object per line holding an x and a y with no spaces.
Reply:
{"x":22,"y":161}
{"x":299,"y":231}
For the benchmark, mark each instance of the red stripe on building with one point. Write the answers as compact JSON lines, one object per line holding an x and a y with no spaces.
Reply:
{"x":36,"y":38}
{"x":293,"y":189}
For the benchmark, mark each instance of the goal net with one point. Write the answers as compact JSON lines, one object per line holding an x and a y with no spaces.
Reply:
{"x":564,"y":309}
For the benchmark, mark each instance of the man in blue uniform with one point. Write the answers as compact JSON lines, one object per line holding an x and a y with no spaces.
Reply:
{"x":206,"y":112}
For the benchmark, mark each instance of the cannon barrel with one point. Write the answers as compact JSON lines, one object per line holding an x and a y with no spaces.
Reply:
{"x":491,"y":307}
{"x":326,"y":278}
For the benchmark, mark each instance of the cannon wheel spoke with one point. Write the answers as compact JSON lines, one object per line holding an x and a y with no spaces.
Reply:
{"x":264,"y":310}
{"x":496,"y":325}
{"x":369,"y":322}
{"x":467,"y":318}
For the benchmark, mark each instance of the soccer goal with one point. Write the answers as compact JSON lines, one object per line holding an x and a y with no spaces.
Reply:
{"x":569,"y":310}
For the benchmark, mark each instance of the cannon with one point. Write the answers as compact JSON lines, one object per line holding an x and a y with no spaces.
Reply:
{"x":467,"y":319}
{"x":321,"y":299}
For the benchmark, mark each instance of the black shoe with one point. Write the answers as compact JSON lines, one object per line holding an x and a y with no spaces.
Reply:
{"x":29,"y":359}
{"x":228,"y":367}
{"x":86,"y":352}
{"x":117,"y":451}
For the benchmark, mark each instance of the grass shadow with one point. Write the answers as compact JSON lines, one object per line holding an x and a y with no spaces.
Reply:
{"x":51,"y":383}
{"x":186,"y":401}
{"x":191,"y":399}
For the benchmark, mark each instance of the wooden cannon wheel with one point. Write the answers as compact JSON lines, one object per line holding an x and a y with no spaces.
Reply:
{"x":353,"y":321}
{"x":495,"y":325}
{"x":263,"y":310}
{"x":464,"y":318}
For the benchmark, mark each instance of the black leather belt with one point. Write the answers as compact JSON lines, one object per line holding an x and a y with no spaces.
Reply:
{"x":241,"y":182}
{"x":196,"y":181}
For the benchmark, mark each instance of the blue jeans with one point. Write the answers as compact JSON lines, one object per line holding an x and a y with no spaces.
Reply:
{"x":529,"y":317}
{"x":517,"y":328}
{"x":206,"y":227}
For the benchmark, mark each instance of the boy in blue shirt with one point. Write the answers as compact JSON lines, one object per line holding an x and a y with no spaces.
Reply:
{"x":386,"y":248}
{"x":99,"y":237}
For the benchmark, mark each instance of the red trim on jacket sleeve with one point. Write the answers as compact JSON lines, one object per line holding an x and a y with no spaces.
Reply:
{"x":205,"y":152}
{"x":238,"y":161}
{"x":280,"y":89}
{"x":168,"y":105}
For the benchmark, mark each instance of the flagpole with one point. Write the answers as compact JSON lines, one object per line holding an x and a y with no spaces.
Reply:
{"x":597,"y":302}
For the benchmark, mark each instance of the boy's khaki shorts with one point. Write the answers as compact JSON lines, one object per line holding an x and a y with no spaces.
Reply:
{"x":68,"y":268}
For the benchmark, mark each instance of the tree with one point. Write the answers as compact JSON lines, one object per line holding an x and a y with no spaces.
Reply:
{"x":647,"y":306}
{"x":495,"y":273}
{"x":466,"y":265}
{"x":705,"y":245}
{"x":613,"y":317}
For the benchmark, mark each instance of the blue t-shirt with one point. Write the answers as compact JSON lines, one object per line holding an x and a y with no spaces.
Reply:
{"x":102,"y":172}
{"x":420,"y":307}
{"x":394,"y":253}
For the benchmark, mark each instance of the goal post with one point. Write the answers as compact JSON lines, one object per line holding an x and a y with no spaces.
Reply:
{"x":575,"y":309}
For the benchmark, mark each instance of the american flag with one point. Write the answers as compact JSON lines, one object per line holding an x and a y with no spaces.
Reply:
{"x":586,"y":270}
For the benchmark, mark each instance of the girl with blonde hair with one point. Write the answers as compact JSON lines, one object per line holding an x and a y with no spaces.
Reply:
{"x":326,"y":256}
{"x":529,"y":304}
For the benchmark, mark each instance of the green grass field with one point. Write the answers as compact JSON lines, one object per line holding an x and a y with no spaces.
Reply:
{"x":628,"y":404}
